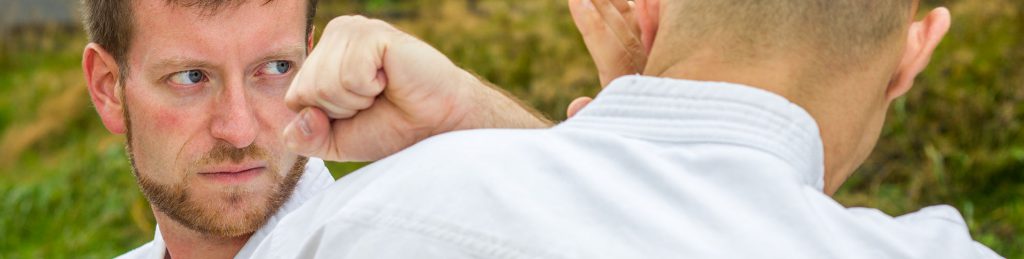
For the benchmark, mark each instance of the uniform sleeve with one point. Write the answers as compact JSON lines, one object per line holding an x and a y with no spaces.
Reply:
{"x":369,"y":241}
{"x":945,"y":226}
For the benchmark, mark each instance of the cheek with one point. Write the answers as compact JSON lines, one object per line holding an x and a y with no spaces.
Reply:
{"x":159,"y":121}
{"x":166,"y":119}
{"x":274,"y":114}
{"x":160,"y":138}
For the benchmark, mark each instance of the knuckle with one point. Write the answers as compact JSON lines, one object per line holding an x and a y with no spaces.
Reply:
{"x":377,"y":23}
{"x":632,"y":44}
{"x":295,"y":94}
{"x":349,"y":82}
{"x":345,"y":20}
{"x":337,"y":22}
{"x":360,"y":103}
{"x":345,"y":113}
{"x":323,"y":93}
{"x":290,"y":98}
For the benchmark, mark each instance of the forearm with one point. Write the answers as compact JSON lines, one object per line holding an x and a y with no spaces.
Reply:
{"x":489,"y":106}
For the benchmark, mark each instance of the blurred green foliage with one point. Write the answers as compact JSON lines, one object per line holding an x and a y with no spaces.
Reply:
{"x":957,"y":138}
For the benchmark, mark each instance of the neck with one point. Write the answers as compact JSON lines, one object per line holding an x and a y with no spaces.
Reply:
{"x":831,"y":104}
{"x":707,"y":65}
{"x":183,"y":242}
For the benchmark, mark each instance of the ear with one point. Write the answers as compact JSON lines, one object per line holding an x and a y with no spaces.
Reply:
{"x":101,"y":77}
{"x":309,"y":39}
{"x":922,"y":39}
{"x":648,"y":13}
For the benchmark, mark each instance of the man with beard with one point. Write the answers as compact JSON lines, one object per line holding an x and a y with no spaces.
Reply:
{"x":748,"y":116}
{"x":198,"y":87}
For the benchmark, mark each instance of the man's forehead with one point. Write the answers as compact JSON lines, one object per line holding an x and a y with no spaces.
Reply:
{"x":246,"y":30}
{"x":219,"y":9}
{"x":212,"y":6}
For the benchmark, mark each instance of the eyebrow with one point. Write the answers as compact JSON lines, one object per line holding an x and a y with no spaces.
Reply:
{"x":285,"y":53}
{"x":179,"y":62}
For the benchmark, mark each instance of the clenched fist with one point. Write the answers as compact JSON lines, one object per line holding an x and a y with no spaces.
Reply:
{"x":369,"y":90}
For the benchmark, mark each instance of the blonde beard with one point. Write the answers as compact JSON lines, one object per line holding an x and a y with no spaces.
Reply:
{"x":175,"y":201}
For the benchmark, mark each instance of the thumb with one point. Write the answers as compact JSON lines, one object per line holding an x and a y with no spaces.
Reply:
{"x":577,"y":105}
{"x":308,"y":134}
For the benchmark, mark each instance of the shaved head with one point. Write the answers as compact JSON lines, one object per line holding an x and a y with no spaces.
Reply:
{"x":834,"y":35}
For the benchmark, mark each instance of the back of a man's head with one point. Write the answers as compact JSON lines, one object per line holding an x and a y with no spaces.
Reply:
{"x":833,"y":34}
{"x":843,"y":61}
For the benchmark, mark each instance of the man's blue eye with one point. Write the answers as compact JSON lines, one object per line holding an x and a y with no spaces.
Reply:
{"x":279,"y":67}
{"x":190,"y":77}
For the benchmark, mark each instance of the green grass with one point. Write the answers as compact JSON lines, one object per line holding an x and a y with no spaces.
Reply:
{"x":957,"y":138}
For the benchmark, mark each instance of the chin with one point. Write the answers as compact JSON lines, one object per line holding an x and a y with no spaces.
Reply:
{"x":218,"y":208}
{"x":237,"y":210}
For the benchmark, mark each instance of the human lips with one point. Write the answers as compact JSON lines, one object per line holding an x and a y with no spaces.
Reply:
{"x":233,"y":173}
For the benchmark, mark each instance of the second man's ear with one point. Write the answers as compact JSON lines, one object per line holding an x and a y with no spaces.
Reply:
{"x":922,"y":39}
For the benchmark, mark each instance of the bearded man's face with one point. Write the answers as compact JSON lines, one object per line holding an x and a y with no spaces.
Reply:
{"x":204,"y":110}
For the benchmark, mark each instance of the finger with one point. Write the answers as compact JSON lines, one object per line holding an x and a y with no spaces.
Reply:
{"x":341,"y":103}
{"x":316,"y":71}
{"x":624,"y":28}
{"x":624,"y":25}
{"x":603,"y":45}
{"x":302,"y":82}
{"x":588,"y":20}
{"x":308,"y":134}
{"x":360,"y":66}
{"x":337,"y":103}
{"x":645,"y":18}
{"x":577,"y":105}
{"x":323,"y":65}
{"x":623,"y":6}
{"x":342,"y":79}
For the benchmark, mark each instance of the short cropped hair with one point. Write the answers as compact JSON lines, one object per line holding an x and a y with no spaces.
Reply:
{"x":110,"y":23}
{"x":836,"y":34}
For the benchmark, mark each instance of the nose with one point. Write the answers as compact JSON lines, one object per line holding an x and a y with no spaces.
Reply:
{"x":234,"y":120}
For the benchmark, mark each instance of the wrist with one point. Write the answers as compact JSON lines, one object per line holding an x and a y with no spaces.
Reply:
{"x":462,"y":103}
{"x":479,"y":105}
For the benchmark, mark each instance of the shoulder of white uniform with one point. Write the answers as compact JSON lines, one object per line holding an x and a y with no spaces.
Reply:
{"x":387,"y":197}
{"x":146,"y":251}
{"x":940,"y":213}
{"x":938,"y":227}
{"x":985,"y":252}
{"x":945,"y":216}
{"x":460,"y":143}
{"x":455,"y":153}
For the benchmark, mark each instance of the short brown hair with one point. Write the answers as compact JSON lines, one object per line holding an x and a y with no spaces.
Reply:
{"x":842,"y":33}
{"x":110,"y":23}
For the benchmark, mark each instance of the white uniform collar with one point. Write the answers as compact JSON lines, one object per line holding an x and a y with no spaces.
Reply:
{"x":672,"y":110}
{"x":314,"y":180}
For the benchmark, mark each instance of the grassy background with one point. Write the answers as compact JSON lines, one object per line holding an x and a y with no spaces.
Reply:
{"x":957,"y":138}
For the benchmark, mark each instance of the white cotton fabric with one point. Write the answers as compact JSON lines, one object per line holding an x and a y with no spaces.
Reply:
{"x":653,"y":168}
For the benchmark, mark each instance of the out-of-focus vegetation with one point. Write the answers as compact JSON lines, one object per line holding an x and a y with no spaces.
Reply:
{"x":957,"y":138}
